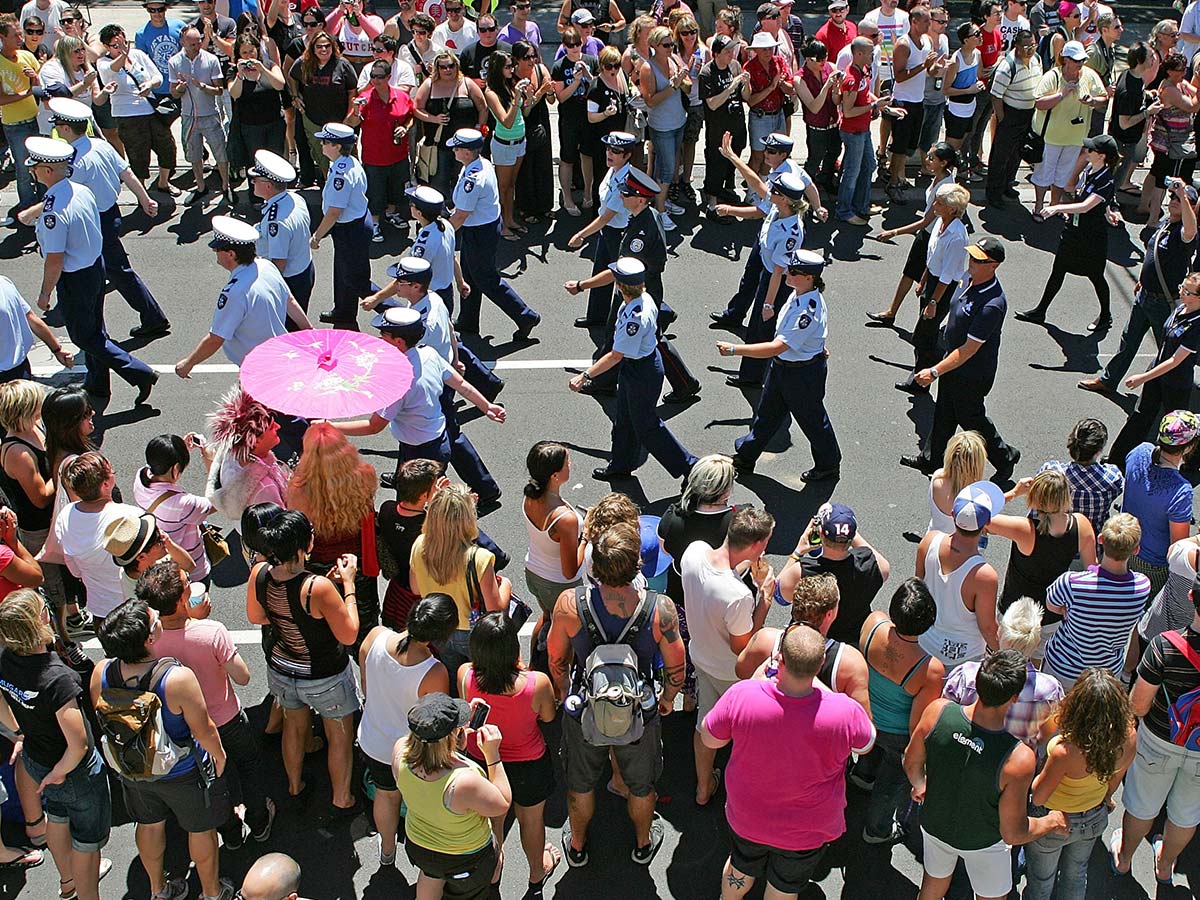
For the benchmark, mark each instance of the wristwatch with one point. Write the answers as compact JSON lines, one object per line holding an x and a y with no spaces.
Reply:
{"x":933,"y":371}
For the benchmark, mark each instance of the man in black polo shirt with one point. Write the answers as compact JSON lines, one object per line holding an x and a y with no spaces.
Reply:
{"x":968,"y":371}
{"x":1169,"y":252}
{"x":859,"y":569}
{"x":474,"y":58}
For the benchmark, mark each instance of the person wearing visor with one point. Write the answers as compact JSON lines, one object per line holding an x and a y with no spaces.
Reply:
{"x":285,"y":228}
{"x":795,"y":380}
{"x":637,"y":426}
{"x":344,"y":214}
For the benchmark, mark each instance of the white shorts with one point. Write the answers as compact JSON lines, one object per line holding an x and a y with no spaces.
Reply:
{"x":1056,"y":167}
{"x":989,"y":869}
{"x":1163,"y":772}
{"x":507,"y":154}
{"x":708,"y":691}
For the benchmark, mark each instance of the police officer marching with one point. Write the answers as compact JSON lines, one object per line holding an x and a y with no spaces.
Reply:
{"x":476,"y":219}
{"x":98,"y":167}
{"x":70,"y":239}
{"x":285,"y":228}
{"x":796,"y":376}
{"x":255,"y":303}
{"x":637,"y":425}
{"x":777,"y":149}
{"x":411,"y":278}
{"x":610,"y":223}
{"x":344,"y":214}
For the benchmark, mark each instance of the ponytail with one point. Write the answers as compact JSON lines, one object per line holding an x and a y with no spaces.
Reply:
{"x":544,"y":460}
{"x":818,"y":283}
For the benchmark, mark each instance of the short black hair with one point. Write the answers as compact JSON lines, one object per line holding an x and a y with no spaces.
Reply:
{"x":415,"y":477}
{"x":912,"y":608}
{"x":389,"y":43}
{"x":254,"y":518}
{"x":125,"y":632}
{"x":285,"y":536}
{"x":815,"y":50}
{"x":433,"y":618}
{"x":495,"y":653}
{"x":1001,"y":677}
{"x":244,"y":253}
{"x":161,"y":587}
{"x":165,"y":451}
{"x":108,"y":32}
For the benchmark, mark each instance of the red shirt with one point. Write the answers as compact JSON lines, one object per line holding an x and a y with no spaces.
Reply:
{"x":379,"y":120}
{"x":827,"y":115}
{"x":858,"y":82}
{"x":760,"y":78}
{"x":6,"y":557}
{"x":833,"y":39}
{"x":990,"y":49}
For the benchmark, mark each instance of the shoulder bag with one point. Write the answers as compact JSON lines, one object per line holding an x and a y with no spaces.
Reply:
{"x":1033,"y":148}
{"x":518,"y":610}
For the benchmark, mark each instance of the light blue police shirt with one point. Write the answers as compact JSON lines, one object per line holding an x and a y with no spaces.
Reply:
{"x":16,"y":337}
{"x":435,"y":245}
{"x":478,"y":192}
{"x":782,"y":236}
{"x":98,"y":167}
{"x":610,"y":196}
{"x":802,"y":326}
{"x":284,"y":233}
{"x":636,"y":332}
{"x":438,"y":332}
{"x":416,"y":418}
{"x":252,"y":307}
{"x":345,"y":189}
{"x":70,"y":224}
{"x":788,"y":165}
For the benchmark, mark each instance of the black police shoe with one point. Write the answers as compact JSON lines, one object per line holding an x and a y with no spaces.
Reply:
{"x":688,"y":396}
{"x":585,"y":322}
{"x":595,"y":390}
{"x":143,"y":393}
{"x":608,"y":474}
{"x":144,"y":331}
{"x":911,"y":387}
{"x":919,"y":462}
{"x":815,"y":474}
{"x":737,"y":381}
{"x":54,"y":317}
{"x":332,"y":318}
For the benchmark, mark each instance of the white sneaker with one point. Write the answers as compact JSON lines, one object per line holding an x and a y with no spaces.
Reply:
{"x":668,"y":223}
{"x":674,"y":208}
{"x":377,"y":234}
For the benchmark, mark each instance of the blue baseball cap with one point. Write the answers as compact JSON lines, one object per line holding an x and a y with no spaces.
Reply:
{"x":654,"y":558}
{"x":838,"y":522}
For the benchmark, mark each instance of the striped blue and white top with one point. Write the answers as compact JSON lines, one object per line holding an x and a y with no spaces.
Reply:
{"x":1101,"y":609}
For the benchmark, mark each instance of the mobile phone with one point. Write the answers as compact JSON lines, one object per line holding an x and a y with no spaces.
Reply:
{"x":479,"y":716}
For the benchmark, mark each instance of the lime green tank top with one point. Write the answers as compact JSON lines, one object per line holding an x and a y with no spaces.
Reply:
{"x":514,"y":133}
{"x":430,"y":824}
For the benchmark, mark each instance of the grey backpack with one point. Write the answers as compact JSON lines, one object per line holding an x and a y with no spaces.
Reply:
{"x":613,"y":687}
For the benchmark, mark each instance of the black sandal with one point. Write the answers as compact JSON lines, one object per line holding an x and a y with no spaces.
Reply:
{"x":39,"y":840}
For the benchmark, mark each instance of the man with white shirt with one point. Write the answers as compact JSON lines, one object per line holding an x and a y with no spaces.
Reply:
{"x":384,"y":48}
{"x":1013,"y":20}
{"x":723,"y":615}
{"x":197,"y":79}
{"x":457,"y":32}
{"x":1189,"y":30}
{"x":892,"y":23}
{"x":912,"y":60}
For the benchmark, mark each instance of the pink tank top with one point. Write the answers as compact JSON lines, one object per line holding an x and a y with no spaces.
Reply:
{"x":522,"y":738}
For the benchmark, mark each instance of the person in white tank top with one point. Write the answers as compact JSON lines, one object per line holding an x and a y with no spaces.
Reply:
{"x":963,"y":585}
{"x":911,"y":60}
{"x":554,"y":560}
{"x":397,"y":670}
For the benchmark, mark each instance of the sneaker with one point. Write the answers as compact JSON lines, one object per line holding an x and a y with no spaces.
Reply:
{"x":377,"y":234}
{"x":668,"y":223}
{"x":228,"y":891}
{"x":80,"y":623}
{"x":397,"y":221}
{"x":643,"y":855}
{"x":897,"y":835}
{"x":674,"y":208}
{"x":386,"y":859}
{"x":176,"y":889}
{"x":265,"y":832}
{"x":575,"y":858}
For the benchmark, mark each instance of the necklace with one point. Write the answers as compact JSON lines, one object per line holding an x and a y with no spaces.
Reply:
{"x":903,"y":638}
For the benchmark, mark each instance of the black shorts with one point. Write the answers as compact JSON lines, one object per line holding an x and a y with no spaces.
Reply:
{"x":788,"y":871}
{"x":381,"y":774}
{"x":467,"y":876}
{"x":532,"y":782}
{"x":914,"y":266}
{"x":1164,"y":167}
{"x":196,"y":809}
{"x":572,"y":137}
{"x":640,"y":763}
{"x":906,"y":132}
{"x":957,"y":126}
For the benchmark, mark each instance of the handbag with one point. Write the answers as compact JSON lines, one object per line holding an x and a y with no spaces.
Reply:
{"x":164,"y":104}
{"x":518,"y":610}
{"x":216,"y":546}
{"x":428,"y":158}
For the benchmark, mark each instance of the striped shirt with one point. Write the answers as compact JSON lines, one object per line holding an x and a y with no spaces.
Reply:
{"x":1015,"y":84}
{"x":1168,"y":669}
{"x":1101,"y":610}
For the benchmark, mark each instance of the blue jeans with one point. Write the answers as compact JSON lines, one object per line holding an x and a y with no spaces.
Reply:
{"x":15,"y":134}
{"x":1063,"y":856}
{"x":81,"y":801}
{"x":1149,"y":313}
{"x":858,"y":164}
{"x":666,"y":149}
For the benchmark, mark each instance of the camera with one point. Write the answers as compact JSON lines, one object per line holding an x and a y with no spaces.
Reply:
{"x":1170,"y":183}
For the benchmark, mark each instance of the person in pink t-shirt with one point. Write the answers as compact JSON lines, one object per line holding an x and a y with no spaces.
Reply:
{"x":205,"y":646}
{"x":791,"y":739}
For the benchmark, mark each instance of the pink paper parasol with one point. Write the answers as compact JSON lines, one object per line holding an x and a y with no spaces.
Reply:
{"x":326,"y":374}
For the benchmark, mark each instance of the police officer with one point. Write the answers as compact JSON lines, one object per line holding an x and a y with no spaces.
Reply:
{"x":782,"y":234}
{"x":344,"y":214}
{"x":253,"y":306}
{"x":70,"y":239}
{"x":410,"y":283}
{"x":777,"y":150}
{"x":637,"y":426}
{"x":435,"y":243}
{"x":285,"y":228}
{"x":618,"y":150}
{"x":477,"y":220}
{"x":795,"y":380}
{"x":968,"y":371}
{"x":416,"y":419}
{"x":98,"y":167}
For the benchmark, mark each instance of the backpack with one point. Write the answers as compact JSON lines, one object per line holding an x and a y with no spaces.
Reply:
{"x":1045,"y":47}
{"x":613,"y":688}
{"x":133,"y":737}
{"x":1183,"y":713}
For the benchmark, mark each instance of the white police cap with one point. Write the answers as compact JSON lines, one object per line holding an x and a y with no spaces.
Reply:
{"x":629,"y":270}
{"x":64,"y":109}
{"x":788,"y":184}
{"x":619,"y":140}
{"x":411,"y":267}
{"x":469,"y":138}
{"x":805,"y":262}
{"x":47,"y":150}
{"x":335,"y":131}
{"x":229,"y":232}
{"x":272,"y":167}
{"x":397,"y":318}
{"x":781,"y":143}
{"x":427,"y":198}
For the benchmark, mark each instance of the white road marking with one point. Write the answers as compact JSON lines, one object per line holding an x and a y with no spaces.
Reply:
{"x":230,"y":368}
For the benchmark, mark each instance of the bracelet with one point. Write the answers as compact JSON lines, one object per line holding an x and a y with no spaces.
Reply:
{"x":586,"y":375}
{"x":348,"y":596}
{"x":496,"y":763}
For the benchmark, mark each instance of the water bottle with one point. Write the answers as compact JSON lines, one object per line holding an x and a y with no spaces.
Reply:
{"x":649,"y":698}
{"x":573,"y":705}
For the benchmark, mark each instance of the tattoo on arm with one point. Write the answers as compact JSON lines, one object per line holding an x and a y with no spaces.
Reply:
{"x":736,"y":881}
{"x":674,"y":675}
{"x":668,"y":618}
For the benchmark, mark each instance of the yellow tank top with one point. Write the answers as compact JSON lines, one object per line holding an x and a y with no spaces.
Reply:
{"x":1075,"y":795}
{"x":456,"y":589}
{"x":430,"y":824}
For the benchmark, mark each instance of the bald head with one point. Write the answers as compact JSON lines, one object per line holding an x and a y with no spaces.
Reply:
{"x":802,"y":650}
{"x":276,"y":876}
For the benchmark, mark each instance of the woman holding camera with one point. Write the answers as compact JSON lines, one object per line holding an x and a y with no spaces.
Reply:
{"x":257,"y":94}
{"x":573,"y":75}
{"x":507,"y":99}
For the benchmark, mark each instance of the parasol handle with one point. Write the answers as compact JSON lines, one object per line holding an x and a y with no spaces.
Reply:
{"x":327,"y":362}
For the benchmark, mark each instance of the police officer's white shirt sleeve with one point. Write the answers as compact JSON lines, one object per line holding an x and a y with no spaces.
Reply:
{"x":278,"y":239}
{"x":390,"y":412}
{"x":339,"y":192}
{"x":231,"y":310}
{"x":627,"y":337}
{"x":466,"y":192}
{"x":793,"y":324}
{"x":447,"y":370}
{"x":52,"y":236}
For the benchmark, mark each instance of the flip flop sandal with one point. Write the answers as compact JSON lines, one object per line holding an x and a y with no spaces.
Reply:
{"x":1113,"y":843}
{"x":27,"y":860}
{"x":1156,"y":842}
{"x":716,"y":786}
{"x":36,"y":840}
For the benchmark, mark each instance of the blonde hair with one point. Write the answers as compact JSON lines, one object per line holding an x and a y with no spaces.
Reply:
{"x":964,"y":459}
{"x":21,"y":627}
{"x":711,"y":479}
{"x":1020,"y":628}
{"x":447,"y":56}
{"x":332,"y":485}
{"x":609,"y":55}
{"x":1121,"y":535}
{"x":20,"y":404}
{"x":658,"y":34}
{"x":680,"y":18}
{"x":813,"y":598}
{"x":638,"y":25}
{"x":415,"y":753}
{"x":1049,"y":493}
{"x":449,"y":530}
{"x":954,"y":196}
{"x":610,"y":509}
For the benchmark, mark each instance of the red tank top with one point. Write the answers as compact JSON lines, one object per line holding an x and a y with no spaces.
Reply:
{"x":513,"y":714}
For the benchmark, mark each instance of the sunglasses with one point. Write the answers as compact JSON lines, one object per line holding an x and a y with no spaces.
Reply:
{"x":667,"y":45}
{"x":322,"y":46}
{"x":482,"y":29}
{"x":69,"y":21}
{"x":772,"y":16}
{"x":35,"y":30}
{"x":572,"y":46}
{"x":974,"y":34}
{"x":377,"y":49}
{"x":379,"y":75}
{"x":689,"y":33}
{"x":156,"y":9}
{"x":454,"y":9}
{"x":420,"y":32}
{"x":611,"y":67}
{"x":940,"y":21}
{"x":447,"y":66}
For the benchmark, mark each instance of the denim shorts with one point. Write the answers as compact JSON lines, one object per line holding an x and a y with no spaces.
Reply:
{"x":666,"y":149}
{"x":334,"y":697}
{"x":761,"y":126}
{"x":81,"y":802}
{"x":506,"y":154}
{"x":1163,"y":773}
